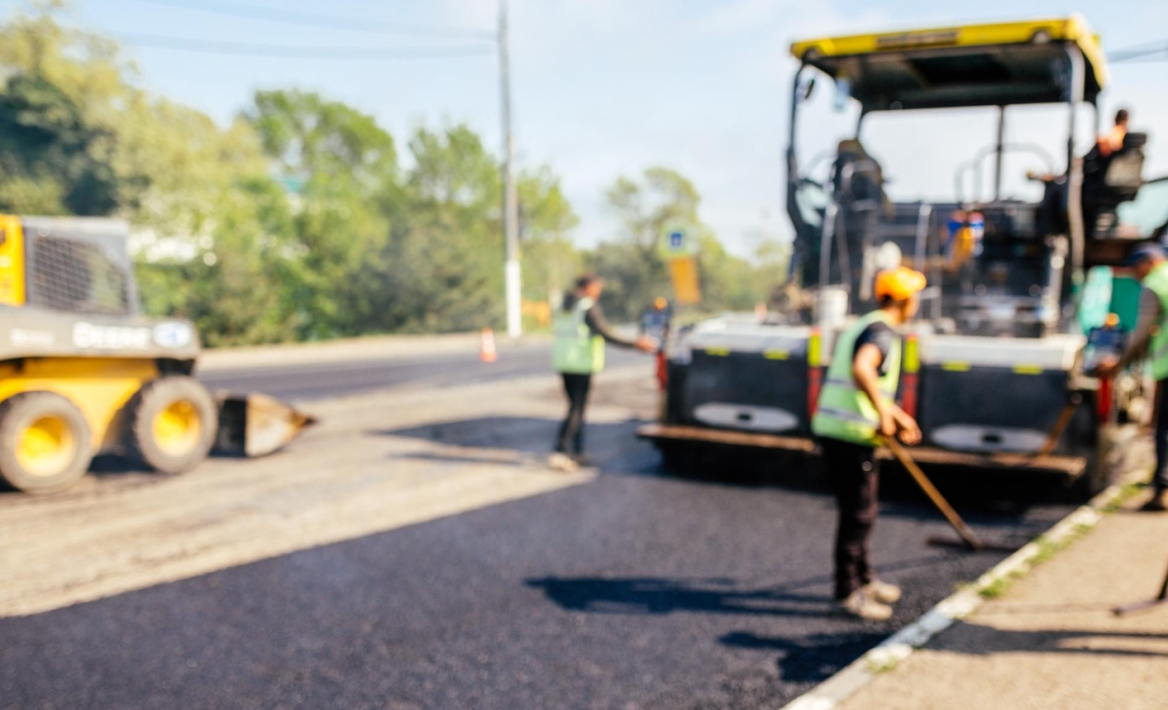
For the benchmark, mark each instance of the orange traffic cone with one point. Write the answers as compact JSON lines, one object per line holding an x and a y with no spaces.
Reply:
{"x":487,"y":352}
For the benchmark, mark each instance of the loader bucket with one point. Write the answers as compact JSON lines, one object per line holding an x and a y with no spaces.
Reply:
{"x":256,"y":425}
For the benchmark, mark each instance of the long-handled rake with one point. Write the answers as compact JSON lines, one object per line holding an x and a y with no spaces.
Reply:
{"x":968,"y":537}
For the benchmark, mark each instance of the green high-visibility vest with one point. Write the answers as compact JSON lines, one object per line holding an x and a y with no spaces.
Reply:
{"x":576,"y":348}
{"x":1157,"y":282}
{"x":844,"y":412}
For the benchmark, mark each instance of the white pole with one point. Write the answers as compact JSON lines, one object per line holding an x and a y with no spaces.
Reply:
{"x":513,"y":294}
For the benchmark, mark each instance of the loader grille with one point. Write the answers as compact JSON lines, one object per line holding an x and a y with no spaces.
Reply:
{"x":76,"y":276}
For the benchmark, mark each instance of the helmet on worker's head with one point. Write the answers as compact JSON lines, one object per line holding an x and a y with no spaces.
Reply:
{"x":660,"y":303}
{"x":899,"y":284}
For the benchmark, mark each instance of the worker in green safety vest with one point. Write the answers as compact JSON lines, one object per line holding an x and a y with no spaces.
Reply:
{"x":1149,"y":337}
{"x":580,"y":332}
{"x":855,"y":410}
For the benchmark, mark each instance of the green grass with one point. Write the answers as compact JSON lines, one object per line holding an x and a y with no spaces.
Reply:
{"x":1127,"y":491}
{"x":1047,"y":548}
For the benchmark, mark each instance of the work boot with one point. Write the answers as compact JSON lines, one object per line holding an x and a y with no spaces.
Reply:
{"x":562,"y":462}
{"x":1158,"y":502}
{"x":582,"y":460}
{"x":882,"y":592}
{"x":862,"y":606}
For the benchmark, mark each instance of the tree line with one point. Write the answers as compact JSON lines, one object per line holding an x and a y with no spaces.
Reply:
{"x":304,"y":219}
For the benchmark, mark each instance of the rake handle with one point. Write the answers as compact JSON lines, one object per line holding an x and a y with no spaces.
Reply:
{"x":934,"y":495}
{"x":1059,"y":426}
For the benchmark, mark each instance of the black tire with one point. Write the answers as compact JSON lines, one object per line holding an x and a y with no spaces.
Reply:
{"x":170,"y":399}
{"x":60,"y":424}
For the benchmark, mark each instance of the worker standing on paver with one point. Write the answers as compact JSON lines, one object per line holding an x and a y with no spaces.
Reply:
{"x":655,"y":319}
{"x":1149,"y":264}
{"x":580,"y":332}
{"x":1112,"y":141}
{"x":855,"y":410}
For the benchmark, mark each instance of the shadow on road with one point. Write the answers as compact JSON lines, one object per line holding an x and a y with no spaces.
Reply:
{"x":988,"y":498}
{"x":977,"y":640}
{"x":525,"y":434}
{"x":656,"y":595}
{"x":812,"y":659}
{"x":608,"y":444}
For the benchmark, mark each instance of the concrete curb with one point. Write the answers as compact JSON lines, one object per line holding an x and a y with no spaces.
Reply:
{"x":899,"y":646}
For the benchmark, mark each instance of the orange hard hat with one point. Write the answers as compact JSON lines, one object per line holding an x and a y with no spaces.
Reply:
{"x":899,"y":284}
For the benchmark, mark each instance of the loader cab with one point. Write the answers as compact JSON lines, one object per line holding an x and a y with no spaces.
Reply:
{"x":998,"y":263}
{"x":72,"y":265}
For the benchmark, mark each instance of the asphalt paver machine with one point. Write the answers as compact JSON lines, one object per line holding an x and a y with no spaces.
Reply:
{"x":993,"y":367}
{"x":82,"y":373}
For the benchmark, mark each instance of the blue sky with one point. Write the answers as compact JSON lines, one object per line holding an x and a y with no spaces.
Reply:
{"x":609,"y":87}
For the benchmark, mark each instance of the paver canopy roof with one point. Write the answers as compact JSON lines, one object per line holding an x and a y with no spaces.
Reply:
{"x":973,"y":65}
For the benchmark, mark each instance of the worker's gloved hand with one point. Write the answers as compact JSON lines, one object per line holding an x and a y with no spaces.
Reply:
{"x":647,"y":344}
{"x":910,"y":435}
{"x":1107,"y":368}
{"x":904,"y":428}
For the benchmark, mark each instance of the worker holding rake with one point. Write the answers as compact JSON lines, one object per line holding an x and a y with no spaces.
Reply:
{"x":856,"y":411}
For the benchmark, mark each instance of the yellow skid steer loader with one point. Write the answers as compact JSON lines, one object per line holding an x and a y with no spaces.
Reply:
{"x":81,"y":373}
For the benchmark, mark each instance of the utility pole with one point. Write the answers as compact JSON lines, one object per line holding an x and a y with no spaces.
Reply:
{"x":512,"y":293}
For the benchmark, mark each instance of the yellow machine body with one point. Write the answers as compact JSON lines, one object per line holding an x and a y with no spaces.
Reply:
{"x":11,"y":261}
{"x":69,"y":325}
{"x":99,"y":387}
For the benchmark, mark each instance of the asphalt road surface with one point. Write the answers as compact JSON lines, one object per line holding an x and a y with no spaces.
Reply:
{"x":630,"y":589}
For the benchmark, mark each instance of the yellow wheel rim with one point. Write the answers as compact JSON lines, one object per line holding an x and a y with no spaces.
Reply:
{"x":46,"y":447}
{"x":178,"y":429}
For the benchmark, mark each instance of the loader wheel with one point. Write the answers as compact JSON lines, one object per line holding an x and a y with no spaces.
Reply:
{"x":44,"y":442}
{"x":173,"y":421}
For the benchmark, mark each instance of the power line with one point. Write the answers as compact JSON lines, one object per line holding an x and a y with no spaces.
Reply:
{"x":1143,"y":57}
{"x":295,"y":52}
{"x":311,"y":19}
{"x":1140,"y":52}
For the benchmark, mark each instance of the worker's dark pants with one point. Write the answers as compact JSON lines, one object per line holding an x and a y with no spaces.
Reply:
{"x":572,"y":430}
{"x":1160,"y":479}
{"x":854,"y":474}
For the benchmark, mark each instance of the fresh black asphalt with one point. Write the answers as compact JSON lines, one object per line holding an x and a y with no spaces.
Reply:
{"x":637,"y":590}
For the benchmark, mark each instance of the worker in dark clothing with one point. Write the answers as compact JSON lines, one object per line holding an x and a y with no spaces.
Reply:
{"x":578,"y":353}
{"x":1149,"y":338}
{"x":855,"y":411}
{"x":655,"y":319}
{"x":1112,"y":141}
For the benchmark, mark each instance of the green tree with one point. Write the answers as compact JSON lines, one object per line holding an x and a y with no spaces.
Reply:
{"x":50,"y":156}
{"x":635,"y":271}
{"x":632,"y":264}
{"x":344,"y":169}
{"x":293,"y":222}
{"x":79,"y":137}
{"x":550,"y":258}
{"x":447,"y":244}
